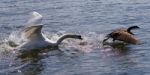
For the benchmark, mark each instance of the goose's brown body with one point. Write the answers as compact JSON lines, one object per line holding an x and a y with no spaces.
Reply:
{"x":123,"y":34}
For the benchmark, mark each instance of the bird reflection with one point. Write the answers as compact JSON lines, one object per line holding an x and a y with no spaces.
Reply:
{"x":118,"y":47}
{"x":33,"y":58}
{"x":38,"y":54}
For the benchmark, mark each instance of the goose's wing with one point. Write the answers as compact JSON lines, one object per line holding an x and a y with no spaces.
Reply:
{"x":35,"y":19}
{"x":32,"y":32}
{"x":126,"y":37}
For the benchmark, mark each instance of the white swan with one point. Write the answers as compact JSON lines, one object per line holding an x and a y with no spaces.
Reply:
{"x":35,"y":38}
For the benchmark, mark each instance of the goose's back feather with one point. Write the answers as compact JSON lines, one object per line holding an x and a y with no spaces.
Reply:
{"x":121,"y":30}
{"x":126,"y":37}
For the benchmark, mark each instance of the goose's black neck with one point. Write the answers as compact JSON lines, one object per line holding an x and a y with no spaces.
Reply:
{"x":131,"y":28}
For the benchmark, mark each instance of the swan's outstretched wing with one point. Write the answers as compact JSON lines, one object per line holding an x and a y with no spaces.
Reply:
{"x":33,"y":28}
{"x":35,"y":19}
{"x":32,"y":32}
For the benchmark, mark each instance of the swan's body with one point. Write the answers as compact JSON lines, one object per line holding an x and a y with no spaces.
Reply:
{"x":34,"y":38}
{"x":124,"y":35}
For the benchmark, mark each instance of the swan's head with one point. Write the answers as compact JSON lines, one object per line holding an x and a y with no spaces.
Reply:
{"x":79,"y":37}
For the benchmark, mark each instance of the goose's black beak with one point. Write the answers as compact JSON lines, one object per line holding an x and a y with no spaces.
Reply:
{"x":107,"y":37}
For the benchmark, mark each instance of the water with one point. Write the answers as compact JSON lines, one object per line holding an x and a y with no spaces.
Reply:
{"x":91,"y":18}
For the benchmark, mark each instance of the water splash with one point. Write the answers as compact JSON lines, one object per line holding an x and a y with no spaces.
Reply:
{"x":91,"y":41}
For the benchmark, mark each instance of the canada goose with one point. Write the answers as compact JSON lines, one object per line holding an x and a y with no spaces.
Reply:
{"x":123,"y":34}
{"x":36,"y":40}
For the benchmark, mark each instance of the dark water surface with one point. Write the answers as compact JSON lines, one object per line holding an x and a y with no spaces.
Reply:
{"x":91,"y":18}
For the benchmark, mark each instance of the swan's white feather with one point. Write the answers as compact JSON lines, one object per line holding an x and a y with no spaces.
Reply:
{"x":32,"y":33}
{"x":34,"y":44}
{"x":35,"y":19}
{"x":33,"y":28}
{"x":35,"y":39}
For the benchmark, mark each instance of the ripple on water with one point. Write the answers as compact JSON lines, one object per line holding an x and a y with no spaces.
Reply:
{"x":91,"y":18}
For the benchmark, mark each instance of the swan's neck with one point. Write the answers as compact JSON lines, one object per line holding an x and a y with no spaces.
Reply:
{"x":64,"y":37}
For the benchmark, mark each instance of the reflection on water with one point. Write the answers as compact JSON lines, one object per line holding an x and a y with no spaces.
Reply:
{"x":34,"y":59}
{"x":28,"y":63}
{"x":117,"y":47}
{"x":34,"y":66}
